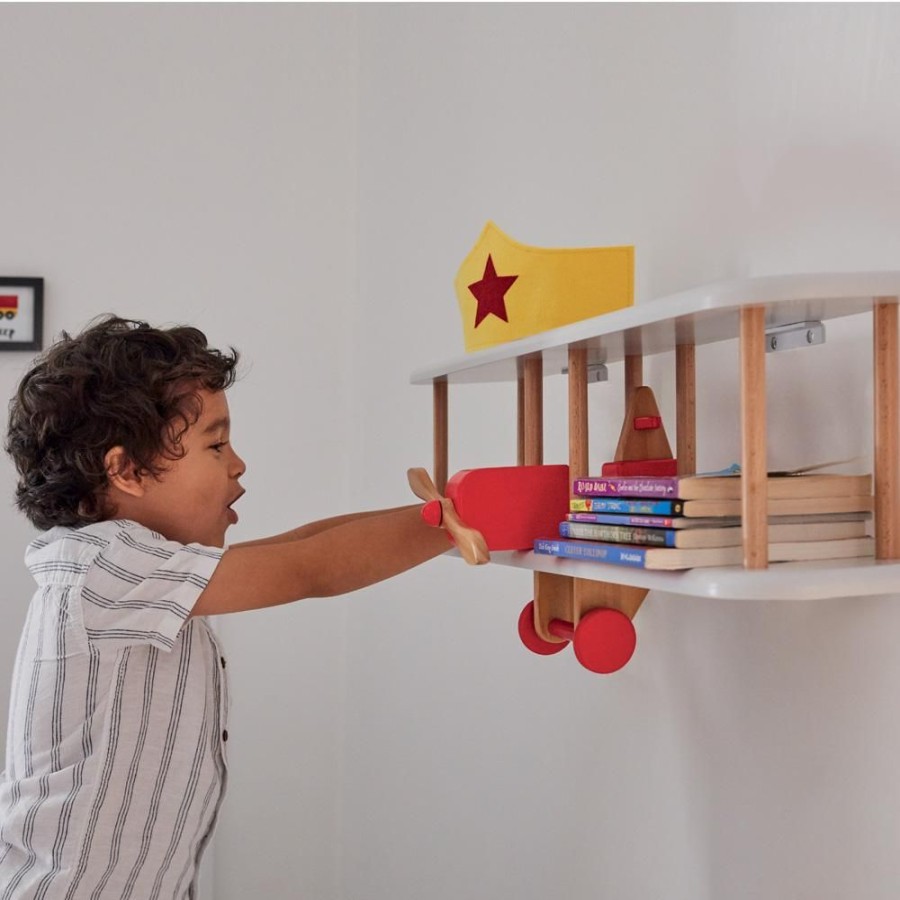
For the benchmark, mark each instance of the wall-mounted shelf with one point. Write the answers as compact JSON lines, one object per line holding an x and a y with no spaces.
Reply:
{"x":701,"y":315}
{"x":746,"y":310}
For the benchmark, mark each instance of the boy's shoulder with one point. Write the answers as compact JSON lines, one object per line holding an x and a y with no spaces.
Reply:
{"x":65,"y":553}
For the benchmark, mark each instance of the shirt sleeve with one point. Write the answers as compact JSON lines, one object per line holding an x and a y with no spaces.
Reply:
{"x":141,"y":588}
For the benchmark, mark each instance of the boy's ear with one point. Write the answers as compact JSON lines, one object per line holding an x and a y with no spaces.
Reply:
{"x":122,"y":472}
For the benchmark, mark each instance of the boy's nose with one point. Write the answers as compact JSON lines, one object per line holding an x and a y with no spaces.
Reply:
{"x":238,"y":466}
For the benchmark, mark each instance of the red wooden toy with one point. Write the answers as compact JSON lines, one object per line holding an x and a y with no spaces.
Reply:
{"x":508,"y":508}
{"x":512,"y":506}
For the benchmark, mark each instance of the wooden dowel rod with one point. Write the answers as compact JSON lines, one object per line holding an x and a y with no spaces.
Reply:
{"x":753,"y":437}
{"x":520,"y":419}
{"x":887,"y":448}
{"x":533,"y":369}
{"x":685,"y":409}
{"x":578,"y":413}
{"x":441,"y":434}
{"x":634,"y":375}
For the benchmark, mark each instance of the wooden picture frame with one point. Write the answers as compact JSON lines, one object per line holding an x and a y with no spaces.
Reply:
{"x":21,"y":313}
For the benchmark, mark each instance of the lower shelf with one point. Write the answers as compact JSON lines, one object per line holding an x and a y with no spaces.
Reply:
{"x":781,"y":581}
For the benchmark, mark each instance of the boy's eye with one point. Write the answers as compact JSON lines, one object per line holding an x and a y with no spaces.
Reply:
{"x":218,"y":447}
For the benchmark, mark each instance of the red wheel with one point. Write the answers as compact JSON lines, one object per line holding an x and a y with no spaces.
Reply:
{"x":531,"y":639}
{"x":604,"y":640}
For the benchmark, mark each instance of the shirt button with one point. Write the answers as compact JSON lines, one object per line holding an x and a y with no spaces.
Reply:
{"x":225,"y":735}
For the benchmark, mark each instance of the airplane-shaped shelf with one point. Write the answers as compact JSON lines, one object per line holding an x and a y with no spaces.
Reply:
{"x":746,"y":310}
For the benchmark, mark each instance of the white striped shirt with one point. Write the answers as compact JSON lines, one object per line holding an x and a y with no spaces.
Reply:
{"x":115,"y":762}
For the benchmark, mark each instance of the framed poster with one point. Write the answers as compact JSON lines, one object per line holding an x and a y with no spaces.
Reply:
{"x":21,"y":313}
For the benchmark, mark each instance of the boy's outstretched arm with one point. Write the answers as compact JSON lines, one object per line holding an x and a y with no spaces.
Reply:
{"x":339,"y":559}
{"x":308,"y":530}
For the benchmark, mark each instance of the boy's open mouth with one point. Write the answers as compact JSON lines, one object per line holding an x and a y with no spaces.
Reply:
{"x":232,"y":513}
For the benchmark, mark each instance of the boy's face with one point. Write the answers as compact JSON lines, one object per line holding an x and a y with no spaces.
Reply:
{"x":191,"y":501}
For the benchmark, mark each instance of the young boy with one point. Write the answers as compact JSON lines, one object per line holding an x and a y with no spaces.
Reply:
{"x":115,"y":765}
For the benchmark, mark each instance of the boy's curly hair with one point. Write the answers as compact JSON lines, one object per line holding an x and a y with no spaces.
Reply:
{"x":118,"y":383}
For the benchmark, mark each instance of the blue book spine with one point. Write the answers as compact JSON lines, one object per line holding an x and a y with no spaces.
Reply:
{"x":617,"y":554}
{"x":631,"y":507}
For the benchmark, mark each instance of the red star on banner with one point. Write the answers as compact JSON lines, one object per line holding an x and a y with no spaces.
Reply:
{"x":489,"y":293}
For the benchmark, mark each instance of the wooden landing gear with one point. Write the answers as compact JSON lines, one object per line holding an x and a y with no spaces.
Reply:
{"x":595,"y":617}
{"x":603,"y":641}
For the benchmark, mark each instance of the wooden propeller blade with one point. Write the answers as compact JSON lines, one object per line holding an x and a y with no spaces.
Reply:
{"x":472,"y":545}
{"x":422,"y":485}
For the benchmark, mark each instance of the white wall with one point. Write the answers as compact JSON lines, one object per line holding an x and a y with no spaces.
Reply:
{"x":330,"y":166}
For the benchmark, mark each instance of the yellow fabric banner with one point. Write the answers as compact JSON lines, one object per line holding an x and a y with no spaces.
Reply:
{"x":507,"y":290}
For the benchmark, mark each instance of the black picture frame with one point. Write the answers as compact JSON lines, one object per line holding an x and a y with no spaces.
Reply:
{"x":22,"y":299}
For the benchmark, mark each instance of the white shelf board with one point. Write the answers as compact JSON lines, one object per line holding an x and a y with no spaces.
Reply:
{"x":781,"y":581}
{"x":700,"y":316}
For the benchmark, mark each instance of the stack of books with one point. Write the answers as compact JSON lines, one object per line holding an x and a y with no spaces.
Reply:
{"x":686,"y":522}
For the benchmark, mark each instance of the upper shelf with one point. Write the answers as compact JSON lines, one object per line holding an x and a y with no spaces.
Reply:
{"x":701,"y":315}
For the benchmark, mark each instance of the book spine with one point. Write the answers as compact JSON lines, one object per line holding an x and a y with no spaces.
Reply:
{"x":626,"y":487}
{"x":620,"y":555}
{"x":617,"y":534}
{"x":631,"y":507}
{"x":621,"y":519}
